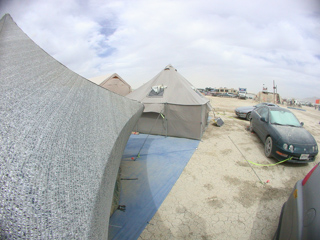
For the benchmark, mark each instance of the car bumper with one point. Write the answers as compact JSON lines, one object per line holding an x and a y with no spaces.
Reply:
{"x":280,"y":154}
{"x":240,"y":115}
{"x":291,"y":218}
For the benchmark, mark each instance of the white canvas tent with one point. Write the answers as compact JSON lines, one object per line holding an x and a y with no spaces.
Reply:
{"x":184,"y":110}
{"x":114,"y":83}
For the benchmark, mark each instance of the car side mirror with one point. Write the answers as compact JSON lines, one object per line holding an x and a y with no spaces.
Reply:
{"x":302,"y":123}
{"x":263,"y":119}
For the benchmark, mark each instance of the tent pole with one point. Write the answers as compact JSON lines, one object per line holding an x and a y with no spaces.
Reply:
{"x":201,"y":123}
{"x":165,"y":118}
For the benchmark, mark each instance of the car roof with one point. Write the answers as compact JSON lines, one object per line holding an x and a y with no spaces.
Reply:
{"x":275,"y":108}
{"x":269,"y":104}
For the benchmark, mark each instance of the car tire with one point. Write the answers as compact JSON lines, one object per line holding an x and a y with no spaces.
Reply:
{"x":251,"y":126}
{"x":248,"y":116}
{"x":268,"y":145}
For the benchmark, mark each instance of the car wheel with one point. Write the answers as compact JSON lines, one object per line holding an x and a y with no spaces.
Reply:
{"x":251,"y":126}
{"x":248,"y":116}
{"x":268,"y":147}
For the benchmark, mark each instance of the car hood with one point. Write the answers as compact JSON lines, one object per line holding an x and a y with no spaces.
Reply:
{"x":245,"y":109}
{"x":294,"y":135}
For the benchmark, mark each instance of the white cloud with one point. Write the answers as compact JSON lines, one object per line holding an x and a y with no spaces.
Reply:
{"x":211,"y":43}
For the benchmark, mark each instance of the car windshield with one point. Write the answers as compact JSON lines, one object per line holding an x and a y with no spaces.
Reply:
{"x":284,"y":118}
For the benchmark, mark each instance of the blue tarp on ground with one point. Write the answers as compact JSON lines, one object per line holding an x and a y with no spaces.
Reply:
{"x":162,"y":160}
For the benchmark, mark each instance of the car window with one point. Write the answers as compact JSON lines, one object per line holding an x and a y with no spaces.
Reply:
{"x":272,"y":105}
{"x":284,"y":118}
{"x":259,"y":111}
{"x":259,"y":105}
{"x":264,"y":113}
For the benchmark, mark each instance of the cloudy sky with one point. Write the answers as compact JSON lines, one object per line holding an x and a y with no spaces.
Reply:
{"x":217,"y":43}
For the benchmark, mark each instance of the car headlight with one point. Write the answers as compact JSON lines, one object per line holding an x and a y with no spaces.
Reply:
{"x":314,"y":148}
{"x":285,"y":146}
{"x":291,"y":148}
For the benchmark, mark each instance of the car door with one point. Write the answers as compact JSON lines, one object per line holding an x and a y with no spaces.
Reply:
{"x":259,"y":125}
{"x":264,"y":124}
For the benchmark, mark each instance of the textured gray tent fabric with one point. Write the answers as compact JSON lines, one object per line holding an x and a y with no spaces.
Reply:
{"x":61,"y":140}
{"x":184,"y":110}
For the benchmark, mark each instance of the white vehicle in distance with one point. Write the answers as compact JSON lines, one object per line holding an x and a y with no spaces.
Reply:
{"x":242,"y":93}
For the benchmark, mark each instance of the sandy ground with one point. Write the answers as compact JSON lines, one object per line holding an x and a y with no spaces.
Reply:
{"x":219,"y":195}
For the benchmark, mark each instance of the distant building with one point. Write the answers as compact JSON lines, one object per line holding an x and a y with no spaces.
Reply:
{"x":226,"y":90}
{"x":268,"y":97}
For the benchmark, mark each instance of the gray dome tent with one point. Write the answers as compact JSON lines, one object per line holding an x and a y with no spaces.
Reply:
{"x":62,"y":139}
{"x":184,"y":110}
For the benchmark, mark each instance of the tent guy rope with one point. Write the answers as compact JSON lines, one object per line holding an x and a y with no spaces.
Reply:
{"x":246,"y":161}
{"x":138,"y":155}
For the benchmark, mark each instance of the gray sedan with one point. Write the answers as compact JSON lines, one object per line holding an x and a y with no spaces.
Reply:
{"x":245,"y":112}
{"x":300,"y":218}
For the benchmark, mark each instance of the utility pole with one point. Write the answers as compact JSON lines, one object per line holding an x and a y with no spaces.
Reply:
{"x":274,"y":92}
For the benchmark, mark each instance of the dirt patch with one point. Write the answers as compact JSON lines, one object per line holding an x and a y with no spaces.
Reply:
{"x":242,"y":163}
{"x":271,"y":193}
{"x":226,"y":151}
{"x":208,"y":186}
{"x":215,"y":202}
{"x":212,"y":154}
{"x":181,"y":210}
{"x":232,"y":180}
{"x":187,"y":172}
{"x":211,"y":131}
{"x":249,"y":191}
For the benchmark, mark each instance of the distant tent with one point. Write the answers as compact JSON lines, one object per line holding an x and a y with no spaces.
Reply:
{"x":114,"y":83}
{"x":173,"y":107}
{"x":62,"y":139}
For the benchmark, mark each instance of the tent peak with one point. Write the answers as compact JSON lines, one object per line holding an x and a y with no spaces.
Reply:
{"x":6,"y":15}
{"x":169,"y":67}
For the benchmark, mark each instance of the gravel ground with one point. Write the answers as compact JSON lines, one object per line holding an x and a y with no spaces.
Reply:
{"x":220,"y":195}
